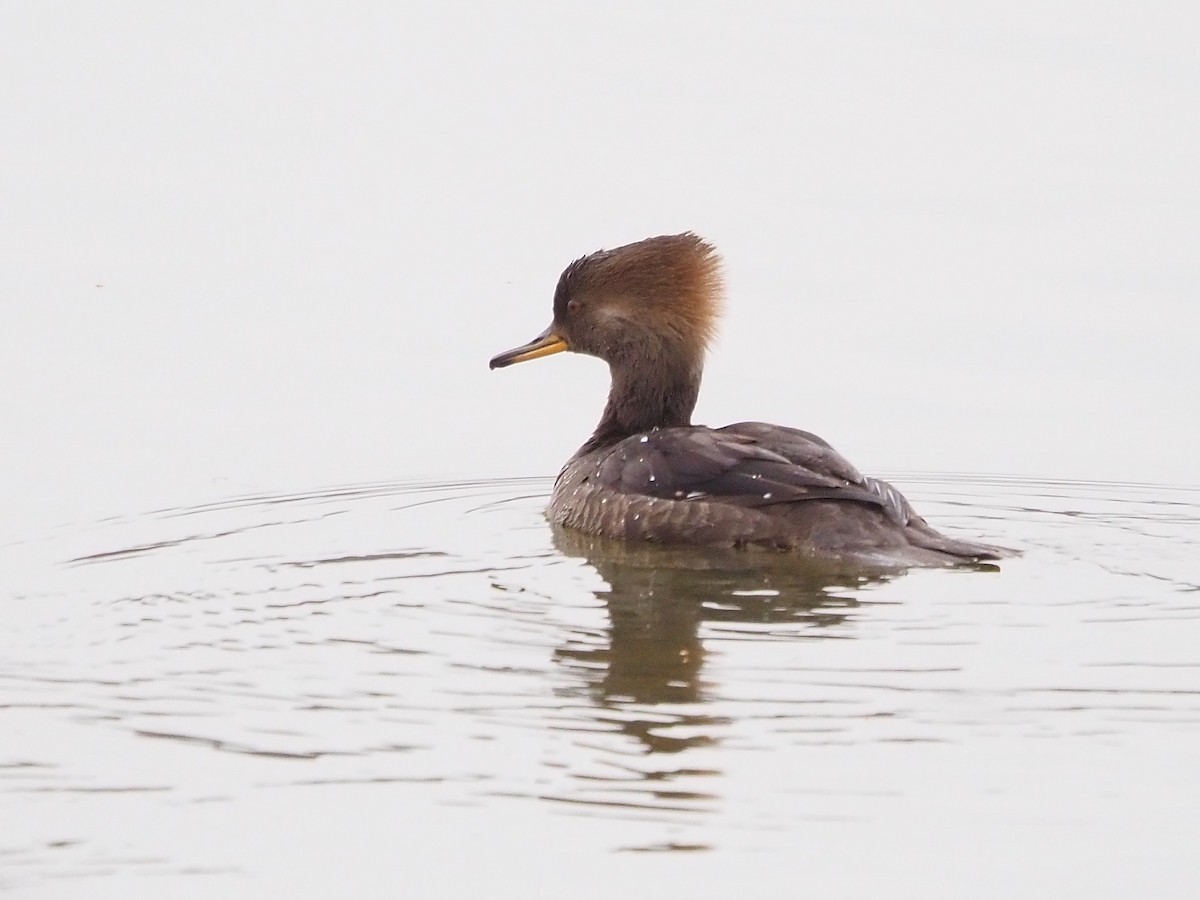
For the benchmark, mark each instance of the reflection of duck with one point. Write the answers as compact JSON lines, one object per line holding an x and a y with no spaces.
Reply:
{"x":659,"y":597}
{"x":646,"y":473}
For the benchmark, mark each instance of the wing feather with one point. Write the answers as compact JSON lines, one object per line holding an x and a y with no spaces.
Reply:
{"x":749,"y":464}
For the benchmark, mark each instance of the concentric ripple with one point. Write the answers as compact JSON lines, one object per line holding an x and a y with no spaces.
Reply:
{"x":440,"y":642}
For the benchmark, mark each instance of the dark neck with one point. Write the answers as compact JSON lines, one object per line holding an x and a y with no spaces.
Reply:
{"x":645,"y":399}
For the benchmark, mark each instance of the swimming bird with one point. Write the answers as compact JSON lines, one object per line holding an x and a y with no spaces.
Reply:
{"x":649,"y":309}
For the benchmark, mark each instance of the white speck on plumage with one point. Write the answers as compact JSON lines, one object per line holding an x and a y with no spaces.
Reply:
{"x":767,"y":495}
{"x":643,"y":439}
{"x":652,"y":478}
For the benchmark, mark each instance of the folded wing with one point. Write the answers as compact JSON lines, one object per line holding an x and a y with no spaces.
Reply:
{"x":750,"y":464}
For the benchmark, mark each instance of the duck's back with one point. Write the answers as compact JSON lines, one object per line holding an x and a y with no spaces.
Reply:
{"x":748,"y":485}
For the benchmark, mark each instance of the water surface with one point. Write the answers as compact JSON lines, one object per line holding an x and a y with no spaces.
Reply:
{"x":394,"y":675}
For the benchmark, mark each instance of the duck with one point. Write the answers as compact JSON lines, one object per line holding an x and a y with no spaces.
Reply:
{"x":649,"y":309}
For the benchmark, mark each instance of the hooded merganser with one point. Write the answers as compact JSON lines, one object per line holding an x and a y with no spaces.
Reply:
{"x":647,"y":473}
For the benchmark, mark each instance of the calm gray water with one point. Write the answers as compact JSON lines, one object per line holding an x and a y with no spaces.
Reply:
{"x":380,"y":684}
{"x":248,"y":250}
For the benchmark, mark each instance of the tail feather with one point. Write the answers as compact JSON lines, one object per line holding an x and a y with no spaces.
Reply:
{"x":921,"y":535}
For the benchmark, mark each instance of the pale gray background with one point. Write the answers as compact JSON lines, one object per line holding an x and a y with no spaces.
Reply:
{"x":959,"y":237}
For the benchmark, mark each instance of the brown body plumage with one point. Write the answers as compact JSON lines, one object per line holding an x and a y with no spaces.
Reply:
{"x":649,"y":310}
